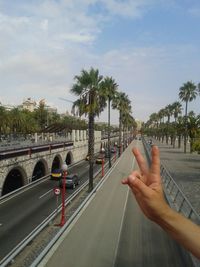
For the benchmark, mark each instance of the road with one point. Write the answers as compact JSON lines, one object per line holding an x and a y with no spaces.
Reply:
{"x":112,"y":232}
{"x":22,"y":213}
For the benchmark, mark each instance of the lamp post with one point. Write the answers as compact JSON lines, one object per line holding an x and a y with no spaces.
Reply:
{"x":115,"y":146}
{"x":64,"y":169}
{"x":102,"y":166}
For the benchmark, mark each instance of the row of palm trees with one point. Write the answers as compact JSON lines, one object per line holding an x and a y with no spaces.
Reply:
{"x":186,"y":125}
{"x":95,"y":93}
{"x":20,"y":122}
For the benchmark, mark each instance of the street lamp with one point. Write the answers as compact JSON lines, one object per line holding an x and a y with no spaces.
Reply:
{"x":115,"y":146}
{"x":64,"y":169}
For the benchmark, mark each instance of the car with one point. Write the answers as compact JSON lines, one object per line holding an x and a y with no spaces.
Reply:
{"x":72,"y":180}
{"x":150,"y":142}
{"x":56,"y":174}
{"x":87,"y":157}
{"x":112,"y":150}
{"x":100,"y":159}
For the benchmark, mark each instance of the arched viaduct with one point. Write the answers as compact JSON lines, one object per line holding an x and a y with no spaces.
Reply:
{"x":18,"y":171}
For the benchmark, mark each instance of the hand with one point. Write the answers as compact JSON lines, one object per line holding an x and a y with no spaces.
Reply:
{"x":146,"y":185}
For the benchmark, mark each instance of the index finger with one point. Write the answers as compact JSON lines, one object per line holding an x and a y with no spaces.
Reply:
{"x":141,"y":161}
{"x":155,"y":165}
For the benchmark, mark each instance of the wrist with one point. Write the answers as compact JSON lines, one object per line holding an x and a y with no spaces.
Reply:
{"x":165,"y":215}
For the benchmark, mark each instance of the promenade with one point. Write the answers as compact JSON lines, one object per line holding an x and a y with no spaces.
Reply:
{"x":184,"y":169}
{"x":113,"y":232}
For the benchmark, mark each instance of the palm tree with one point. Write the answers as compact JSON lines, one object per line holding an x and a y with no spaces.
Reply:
{"x":154,"y":118}
{"x":168,"y":113}
{"x":129,"y":124}
{"x":187,"y":93}
{"x":3,"y":120}
{"x":123,"y":104}
{"x":177,"y":109}
{"x":109,"y":89}
{"x":91,"y":103}
{"x":193,"y":128}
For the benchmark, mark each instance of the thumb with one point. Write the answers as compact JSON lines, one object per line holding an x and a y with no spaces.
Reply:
{"x":138,"y":186}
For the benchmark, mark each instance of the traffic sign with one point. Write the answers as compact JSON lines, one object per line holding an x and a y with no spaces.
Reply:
{"x":56,"y":191}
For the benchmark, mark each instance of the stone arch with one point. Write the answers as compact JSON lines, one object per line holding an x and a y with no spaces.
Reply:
{"x":69,"y":158}
{"x":15,"y":179}
{"x":39,"y":170}
{"x":56,"y":163}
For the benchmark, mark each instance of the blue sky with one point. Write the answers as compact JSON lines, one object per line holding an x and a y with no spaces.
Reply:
{"x":150,"y":47}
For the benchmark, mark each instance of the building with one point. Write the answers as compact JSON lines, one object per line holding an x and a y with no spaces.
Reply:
{"x":29,"y":104}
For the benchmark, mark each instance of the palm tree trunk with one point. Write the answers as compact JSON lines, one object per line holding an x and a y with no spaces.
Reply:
{"x":191,"y":144}
{"x":120,"y":131}
{"x":185,"y":134}
{"x":109,"y":154}
{"x":91,"y":150}
{"x":179,"y":141}
{"x":91,"y":141}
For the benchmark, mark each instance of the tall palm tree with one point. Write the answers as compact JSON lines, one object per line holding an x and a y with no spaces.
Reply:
{"x":91,"y":103}
{"x":161,"y":115}
{"x":109,"y":89}
{"x":129,"y":124}
{"x":154,"y":118}
{"x":187,"y":93}
{"x":177,"y":109}
{"x":3,"y":120}
{"x":123,"y":104}
{"x":193,"y":128}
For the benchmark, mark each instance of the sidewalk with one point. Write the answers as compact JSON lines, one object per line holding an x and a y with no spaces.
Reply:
{"x":185,"y":170}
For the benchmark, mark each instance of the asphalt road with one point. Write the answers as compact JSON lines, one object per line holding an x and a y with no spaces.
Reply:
{"x":21,"y":214}
{"x":112,"y":232}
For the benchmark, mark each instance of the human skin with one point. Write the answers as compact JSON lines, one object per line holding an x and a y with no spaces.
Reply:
{"x":147,"y":189}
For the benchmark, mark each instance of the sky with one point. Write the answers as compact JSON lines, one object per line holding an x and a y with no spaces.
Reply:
{"x":150,"y":47}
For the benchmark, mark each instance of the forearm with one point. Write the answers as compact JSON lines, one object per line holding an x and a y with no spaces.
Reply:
{"x":182,"y":230}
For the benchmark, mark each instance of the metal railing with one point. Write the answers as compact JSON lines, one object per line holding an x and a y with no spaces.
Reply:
{"x":173,"y":193}
{"x":175,"y":196}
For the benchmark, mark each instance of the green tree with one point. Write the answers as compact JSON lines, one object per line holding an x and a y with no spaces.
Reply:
{"x":41,"y":115}
{"x":187,"y":93}
{"x":108,"y":90}
{"x":193,"y":128}
{"x":176,"y":109}
{"x":91,"y":103}
{"x":4,"y":120}
{"x":122,"y":103}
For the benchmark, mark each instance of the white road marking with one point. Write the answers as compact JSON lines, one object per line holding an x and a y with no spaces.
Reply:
{"x":1,"y":224}
{"x":45,"y":193}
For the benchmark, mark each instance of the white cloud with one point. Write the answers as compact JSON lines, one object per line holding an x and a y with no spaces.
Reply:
{"x":43,"y":46}
{"x":44,"y":24}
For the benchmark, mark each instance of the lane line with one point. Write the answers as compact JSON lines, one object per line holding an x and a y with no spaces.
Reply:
{"x":45,"y":193}
{"x":122,"y":221}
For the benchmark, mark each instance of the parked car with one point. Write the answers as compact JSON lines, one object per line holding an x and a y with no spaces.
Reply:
{"x":99,"y":159}
{"x":56,"y":174}
{"x":72,"y":180}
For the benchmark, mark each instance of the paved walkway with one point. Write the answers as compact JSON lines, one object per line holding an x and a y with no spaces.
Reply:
{"x":184,"y":168}
{"x":113,"y":232}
